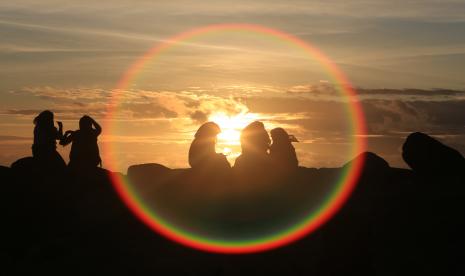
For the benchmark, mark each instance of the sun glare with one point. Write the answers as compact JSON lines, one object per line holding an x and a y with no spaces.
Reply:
{"x":231,"y":126}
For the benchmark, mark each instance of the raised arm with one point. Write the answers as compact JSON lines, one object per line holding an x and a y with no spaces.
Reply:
{"x":67,"y":138}
{"x":60,"y":131}
{"x":98,"y":128}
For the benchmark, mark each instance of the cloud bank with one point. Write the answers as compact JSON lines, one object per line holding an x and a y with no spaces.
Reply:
{"x":316,"y":114}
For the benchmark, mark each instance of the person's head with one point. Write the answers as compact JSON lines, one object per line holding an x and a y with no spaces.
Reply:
{"x":85,"y":123}
{"x":280,"y":136}
{"x":208,"y":131}
{"x":44,"y":119}
{"x":254,"y":138}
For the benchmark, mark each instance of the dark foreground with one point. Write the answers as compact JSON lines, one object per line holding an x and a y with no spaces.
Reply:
{"x":397,"y":222}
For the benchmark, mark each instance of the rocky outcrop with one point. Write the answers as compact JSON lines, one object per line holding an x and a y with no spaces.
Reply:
{"x":396,"y":221}
{"x":429,"y":157}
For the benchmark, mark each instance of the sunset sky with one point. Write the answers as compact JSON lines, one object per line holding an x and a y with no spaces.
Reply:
{"x":406,"y":60}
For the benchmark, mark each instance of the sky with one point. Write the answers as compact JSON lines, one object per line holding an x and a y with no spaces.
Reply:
{"x":405,"y":59}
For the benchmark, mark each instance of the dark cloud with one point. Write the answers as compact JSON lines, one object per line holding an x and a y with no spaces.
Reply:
{"x":382,"y":115}
{"x":327,"y":90}
{"x":445,"y":114}
{"x":388,"y":121}
{"x":189,"y":102}
{"x":149,"y":110}
{"x":434,"y":117}
{"x":411,"y":92}
{"x":199,"y":116}
{"x":319,"y":88}
{"x":289,"y":104}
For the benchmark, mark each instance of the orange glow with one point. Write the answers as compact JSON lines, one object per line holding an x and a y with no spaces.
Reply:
{"x":231,"y":126}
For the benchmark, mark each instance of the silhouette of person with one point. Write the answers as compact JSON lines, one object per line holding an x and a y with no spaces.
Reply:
{"x":202,"y":152}
{"x":255,"y":143}
{"x":45,"y":136}
{"x":282,"y":152}
{"x":84,"y":152}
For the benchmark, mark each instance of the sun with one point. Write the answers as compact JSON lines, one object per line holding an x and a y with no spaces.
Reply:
{"x":231,"y":127}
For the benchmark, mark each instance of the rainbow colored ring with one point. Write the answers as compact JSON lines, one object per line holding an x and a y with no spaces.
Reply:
{"x":332,"y":204}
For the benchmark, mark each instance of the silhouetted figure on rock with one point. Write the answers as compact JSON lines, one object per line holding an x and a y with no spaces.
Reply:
{"x":84,"y":152}
{"x":45,"y":135}
{"x":282,"y":152}
{"x":255,"y":143}
{"x":202,"y":154}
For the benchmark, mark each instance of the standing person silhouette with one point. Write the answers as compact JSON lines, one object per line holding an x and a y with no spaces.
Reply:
{"x":202,"y":154}
{"x":282,"y":152}
{"x":84,"y":152}
{"x":45,"y":136}
{"x":255,"y":143}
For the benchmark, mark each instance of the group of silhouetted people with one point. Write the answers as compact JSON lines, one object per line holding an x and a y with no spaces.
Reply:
{"x":258,"y":153}
{"x":84,"y":152}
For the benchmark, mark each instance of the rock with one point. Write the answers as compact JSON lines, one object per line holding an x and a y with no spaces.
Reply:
{"x":371,"y":162}
{"x":75,"y":222}
{"x":24,"y":164}
{"x":429,"y":157}
{"x":151,"y":168}
{"x":4,"y":172}
{"x":138,"y":172}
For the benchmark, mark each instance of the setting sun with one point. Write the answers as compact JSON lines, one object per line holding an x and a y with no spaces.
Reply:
{"x":231,"y":126}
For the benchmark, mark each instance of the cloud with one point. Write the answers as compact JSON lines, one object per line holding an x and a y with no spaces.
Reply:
{"x":316,"y":114}
{"x":327,"y":90}
{"x":428,"y":9}
{"x":386,"y":110}
{"x":434,"y":117}
{"x":390,"y":116}
{"x":323,"y":87}
{"x":411,"y":92}
{"x":199,"y":117}
{"x":4,"y":138}
{"x":22,"y":111}
{"x":112,"y":35}
{"x":132,"y":104}
{"x":147,"y":110}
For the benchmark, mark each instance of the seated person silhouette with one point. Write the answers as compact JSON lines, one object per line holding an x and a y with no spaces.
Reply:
{"x":202,"y":154}
{"x":255,"y":142}
{"x":45,"y":136}
{"x":282,"y":152}
{"x":84,"y":152}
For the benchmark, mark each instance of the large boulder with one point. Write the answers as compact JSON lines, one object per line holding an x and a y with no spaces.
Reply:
{"x":143,"y":170}
{"x":427,"y":156}
{"x":25,"y":164}
{"x":4,"y":172}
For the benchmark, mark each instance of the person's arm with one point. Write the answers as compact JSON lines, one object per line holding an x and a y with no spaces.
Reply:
{"x":98,"y":128}
{"x":67,"y":138}
{"x":60,"y":131}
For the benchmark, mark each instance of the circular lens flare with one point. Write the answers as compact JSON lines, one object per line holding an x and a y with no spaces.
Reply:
{"x":231,"y":126}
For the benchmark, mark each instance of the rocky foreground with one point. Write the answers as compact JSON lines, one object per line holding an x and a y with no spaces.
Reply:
{"x":397,"y":222}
